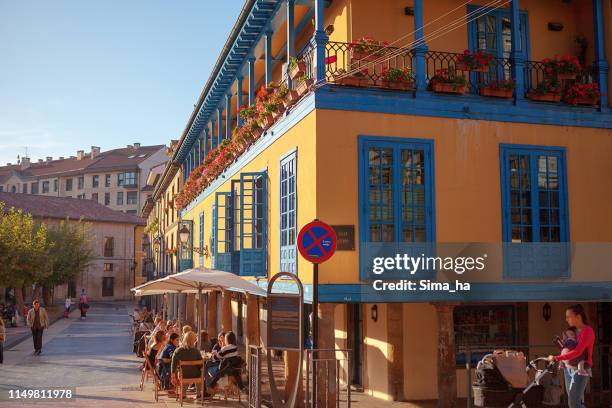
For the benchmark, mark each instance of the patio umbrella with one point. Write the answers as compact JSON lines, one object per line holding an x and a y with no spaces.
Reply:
{"x":198,"y":281}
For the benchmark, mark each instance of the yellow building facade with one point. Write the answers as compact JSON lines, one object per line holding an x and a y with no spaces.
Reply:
{"x":406,"y":167}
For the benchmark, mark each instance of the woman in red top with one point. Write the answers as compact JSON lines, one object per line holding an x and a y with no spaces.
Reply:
{"x":577,"y":380}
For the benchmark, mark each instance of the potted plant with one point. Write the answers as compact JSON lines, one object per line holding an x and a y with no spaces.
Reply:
{"x":499,"y":89}
{"x":297,"y":68}
{"x":367,"y":49}
{"x":547,"y":90}
{"x":477,"y":61}
{"x":358,"y":78}
{"x":303,"y":85}
{"x":448,"y":81}
{"x":582,"y":94}
{"x":247,"y":113}
{"x":562,"y":67}
{"x":397,"y":78}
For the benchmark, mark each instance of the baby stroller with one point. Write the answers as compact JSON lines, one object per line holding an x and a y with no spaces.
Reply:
{"x":503,"y":379}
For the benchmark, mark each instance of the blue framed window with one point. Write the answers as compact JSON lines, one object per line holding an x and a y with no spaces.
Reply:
{"x":201,"y":238}
{"x":185,"y":248}
{"x":397,"y":198}
{"x":288,"y":213}
{"x":535,"y":213}
{"x":223,"y":231}
{"x":253,"y":224}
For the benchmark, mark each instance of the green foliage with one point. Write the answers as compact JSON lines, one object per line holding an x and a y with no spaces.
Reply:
{"x":24,"y":249}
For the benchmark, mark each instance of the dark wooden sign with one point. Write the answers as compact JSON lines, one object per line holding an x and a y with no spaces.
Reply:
{"x":284,"y":319}
{"x":346,"y":237}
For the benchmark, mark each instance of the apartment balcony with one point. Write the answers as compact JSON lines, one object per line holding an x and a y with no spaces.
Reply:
{"x":494,"y":81}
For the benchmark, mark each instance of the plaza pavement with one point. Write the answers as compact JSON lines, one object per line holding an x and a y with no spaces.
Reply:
{"x":93,"y":357}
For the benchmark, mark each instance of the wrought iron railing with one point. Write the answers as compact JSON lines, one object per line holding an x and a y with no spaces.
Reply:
{"x":535,"y":73}
{"x":341,"y":58}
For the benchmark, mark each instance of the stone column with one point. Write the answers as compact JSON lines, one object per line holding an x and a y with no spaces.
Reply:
{"x":252,"y":321}
{"x":211,"y":310}
{"x":326,"y":375}
{"x":395,"y":341}
{"x":447,"y":376}
{"x":226,"y":311}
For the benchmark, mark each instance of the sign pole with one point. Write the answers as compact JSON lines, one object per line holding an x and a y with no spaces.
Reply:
{"x":315,"y":328}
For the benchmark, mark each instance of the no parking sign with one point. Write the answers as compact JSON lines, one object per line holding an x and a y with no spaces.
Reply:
{"x":317,"y":242}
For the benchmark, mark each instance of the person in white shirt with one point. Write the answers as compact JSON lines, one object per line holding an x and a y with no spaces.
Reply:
{"x":67,"y":304}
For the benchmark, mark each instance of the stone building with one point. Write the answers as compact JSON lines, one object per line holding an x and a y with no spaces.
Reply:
{"x":114,"y":178}
{"x":116,"y":240}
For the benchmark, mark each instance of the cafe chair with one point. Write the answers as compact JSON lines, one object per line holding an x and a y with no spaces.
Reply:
{"x":184,"y":382}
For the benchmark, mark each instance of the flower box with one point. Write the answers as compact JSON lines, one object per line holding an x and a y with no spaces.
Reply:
{"x":351,"y":80}
{"x":267,"y":120}
{"x":303,"y":86}
{"x":496,"y":92}
{"x":448,"y":88}
{"x":464,"y":67}
{"x":291,"y":98}
{"x":545,"y":97}
{"x":565,"y":76}
{"x":297,"y":69}
{"x":587,"y":100}
{"x":397,"y":85}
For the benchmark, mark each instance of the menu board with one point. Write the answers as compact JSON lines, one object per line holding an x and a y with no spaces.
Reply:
{"x":284,"y":317}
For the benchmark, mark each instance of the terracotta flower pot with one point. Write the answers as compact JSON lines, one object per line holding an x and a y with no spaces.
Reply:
{"x":497,"y":93}
{"x":291,"y":98}
{"x":365,"y":56}
{"x":464,"y":67}
{"x":267,"y":120}
{"x":566,"y":76}
{"x":303,"y":86}
{"x":397,"y":85}
{"x":587,"y":100}
{"x":297,"y":70}
{"x":547,"y":97}
{"x":351,"y":80}
{"x":448,"y":88}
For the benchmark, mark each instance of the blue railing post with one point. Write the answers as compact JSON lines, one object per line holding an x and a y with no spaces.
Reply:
{"x":228,"y":116}
{"x":420,"y":49}
{"x":205,"y":147}
{"x":601,"y":64}
{"x":238,"y":100}
{"x":268,"y":52}
{"x":319,"y":40}
{"x":220,"y":126}
{"x":516,"y":54}
{"x":290,"y":38}
{"x":251,"y":64}
{"x":213,"y":139}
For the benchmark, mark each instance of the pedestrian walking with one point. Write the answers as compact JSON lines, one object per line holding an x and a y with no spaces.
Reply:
{"x":2,"y":340}
{"x":37,"y":321}
{"x":67,"y":304}
{"x":83,"y":304}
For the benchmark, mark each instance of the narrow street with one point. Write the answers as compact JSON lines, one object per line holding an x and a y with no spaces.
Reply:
{"x":94,"y":356}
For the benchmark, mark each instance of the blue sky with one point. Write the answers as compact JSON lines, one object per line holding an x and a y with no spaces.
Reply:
{"x":106,"y":73}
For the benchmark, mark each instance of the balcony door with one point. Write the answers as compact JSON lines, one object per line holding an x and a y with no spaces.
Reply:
{"x":491,"y":32}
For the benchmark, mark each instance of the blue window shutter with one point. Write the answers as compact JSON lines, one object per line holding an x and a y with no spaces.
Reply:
{"x":201,"y":239}
{"x":223,"y":231}
{"x":535,"y":219}
{"x":186,"y":250}
{"x":288,"y":213}
{"x":253,"y":224}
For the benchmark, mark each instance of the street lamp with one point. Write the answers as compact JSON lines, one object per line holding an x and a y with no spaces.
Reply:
{"x":157,"y":244}
{"x":184,"y":233}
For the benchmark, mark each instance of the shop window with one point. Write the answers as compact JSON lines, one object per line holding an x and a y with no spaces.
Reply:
{"x":288,"y":213}
{"x":534,"y":209}
{"x":482,"y":329}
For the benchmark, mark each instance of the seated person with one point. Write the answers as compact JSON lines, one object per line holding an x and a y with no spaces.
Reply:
{"x":136,"y":315}
{"x":186,"y":352}
{"x":170,"y":327}
{"x":158,"y":342}
{"x":186,"y":329}
{"x":160,"y":325}
{"x":212,"y":365}
{"x":164,"y":366}
{"x":230,"y":363}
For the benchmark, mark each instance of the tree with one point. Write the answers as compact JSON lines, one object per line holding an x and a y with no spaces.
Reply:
{"x":72,"y":253}
{"x":24,"y":250}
